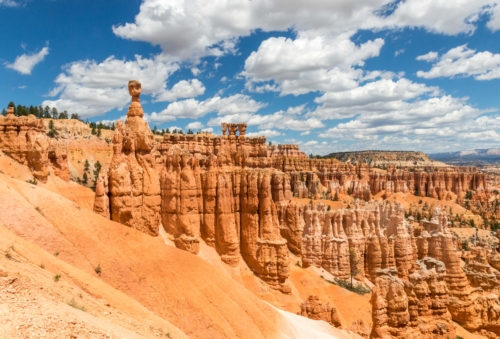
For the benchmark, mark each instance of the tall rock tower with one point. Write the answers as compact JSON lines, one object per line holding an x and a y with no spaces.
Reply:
{"x":129,"y":192}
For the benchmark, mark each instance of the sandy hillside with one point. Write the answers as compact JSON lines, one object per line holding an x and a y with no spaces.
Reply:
{"x":189,"y":294}
{"x":92,"y":149}
{"x":83,"y":196}
{"x":34,"y":305}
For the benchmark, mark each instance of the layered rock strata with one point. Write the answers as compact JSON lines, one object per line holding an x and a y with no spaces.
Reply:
{"x":23,"y":138}
{"x":362,"y":182}
{"x":325,"y":177}
{"x":470,"y":305}
{"x":377,"y":235}
{"x":414,"y":308}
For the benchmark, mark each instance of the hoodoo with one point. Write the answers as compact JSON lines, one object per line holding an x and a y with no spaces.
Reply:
{"x":129,"y":192}
{"x":238,"y":195}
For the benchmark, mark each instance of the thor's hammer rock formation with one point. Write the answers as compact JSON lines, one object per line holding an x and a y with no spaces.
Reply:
{"x":129,"y":192}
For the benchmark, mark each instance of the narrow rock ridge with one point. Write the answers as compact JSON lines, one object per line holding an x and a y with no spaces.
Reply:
{"x":386,"y":158}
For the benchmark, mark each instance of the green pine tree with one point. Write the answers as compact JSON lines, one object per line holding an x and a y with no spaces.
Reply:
{"x":52,"y":131}
{"x":97,"y":170}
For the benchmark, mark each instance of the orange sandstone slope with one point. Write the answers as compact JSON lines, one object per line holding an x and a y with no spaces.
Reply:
{"x":173,"y":284}
{"x":83,"y":196}
{"x":34,"y":305}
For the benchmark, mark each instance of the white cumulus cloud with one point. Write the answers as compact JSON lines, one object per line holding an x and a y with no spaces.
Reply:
{"x":191,"y":29}
{"x":379,"y":95}
{"x":25,"y":63}
{"x":182,"y":89}
{"x":195,"y":125}
{"x":90,"y":88}
{"x":494,"y":23}
{"x":308,"y":63}
{"x":431,"y":56}
{"x":269,"y":133}
{"x":463,"y":61}
{"x":192,"y":108}
{"x":9,"y":3}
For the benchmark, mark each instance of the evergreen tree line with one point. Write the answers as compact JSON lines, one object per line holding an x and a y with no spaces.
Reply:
{"x":174,"y":131}
{"x":52,"y":113}
{"x":40,"y":112}
{"x":86,"y":174}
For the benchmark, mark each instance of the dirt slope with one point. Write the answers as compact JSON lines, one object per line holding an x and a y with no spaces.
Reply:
{"x":175,"y":285}
{"x":34,"y":305}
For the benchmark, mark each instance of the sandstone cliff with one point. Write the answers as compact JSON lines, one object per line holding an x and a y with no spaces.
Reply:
{"x":23,"y":139}
{"x":386,"y":158}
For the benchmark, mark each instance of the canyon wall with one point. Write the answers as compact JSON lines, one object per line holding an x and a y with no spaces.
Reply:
{"x":237,"y":195}
{"x":322,"y":178}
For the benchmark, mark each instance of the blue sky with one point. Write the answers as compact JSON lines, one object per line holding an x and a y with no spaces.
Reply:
{"x":328,"y":75}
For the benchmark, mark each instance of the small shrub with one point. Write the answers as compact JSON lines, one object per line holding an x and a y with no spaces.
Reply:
{"x":460,"y":337}
{"x":57,"y":277}
{"x":420,"y":202}
{"x":8,"y":255}
{"x":42,"y":265}
{"x":56,"y":254}
{"x":298,"y":264}
{"x":98,"y":269}
{"x":358,"y":289}
{"x":32,"y":181}
{"x":73,"y":304}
